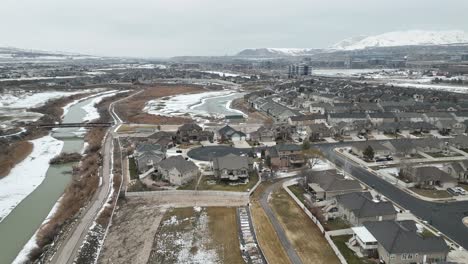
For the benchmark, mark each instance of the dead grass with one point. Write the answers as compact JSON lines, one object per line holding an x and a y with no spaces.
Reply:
{"x":132,"y":110}
{"x":223,"y":228}
{"x":12,"y":155}
{"x":305,"y":236}
{"x":187,"y":225}
{"x":266,"y":234}
{"x":253,"y":115}
{"x":432,"y":193}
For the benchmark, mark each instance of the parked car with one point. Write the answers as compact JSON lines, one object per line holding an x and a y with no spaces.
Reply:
{"x":452,"y":191}
{"x":460,"y":190}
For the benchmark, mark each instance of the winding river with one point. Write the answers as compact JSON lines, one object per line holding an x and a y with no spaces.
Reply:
{"x":20,"y":225}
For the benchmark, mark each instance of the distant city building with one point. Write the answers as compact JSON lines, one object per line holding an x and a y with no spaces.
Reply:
{"x":296,"y":70}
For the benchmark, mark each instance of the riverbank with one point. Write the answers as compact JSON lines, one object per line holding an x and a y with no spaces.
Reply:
{"x":20,"y":226}
{"x":28,"y":174}
{"x":85,"y":182}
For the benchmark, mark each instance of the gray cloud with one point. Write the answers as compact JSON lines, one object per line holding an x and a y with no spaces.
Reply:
{"x":162,"y":28}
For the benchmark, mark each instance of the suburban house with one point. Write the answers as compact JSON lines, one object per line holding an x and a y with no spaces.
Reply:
{"x":360,"y":207}
{"x":263,"y":134}
{"x":458,"y":170}
{"x":177,"y":170}
{"x":459,"y":142}
{"x":400,"y":242}
{"x":232,"y":167}
{"x":163,"y":138}
{"x":304,"y":120}
{"x":430,"y":145}
{"x":381,"y":117}
{"x":430,"y":176}
{"x":229,"y":133}
{"x":192,"y":133}
{"x":318,"y":132}
{"x":328,"y":184}
{"x":409,"y":117}
{"x":320,"y":108}
{"x":380,"y":151}
{"x":401,"y":148}
{"x":346,"y":117}
{"x":147,"y":156}
{"x":286,"y":155}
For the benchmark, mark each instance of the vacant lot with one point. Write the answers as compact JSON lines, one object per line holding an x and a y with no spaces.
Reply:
{"x":307,"y":239}
{"x":132,"y":110}
{"x":266,"y":234}
{"x":131,"y":235}
{"x":197,"y":235}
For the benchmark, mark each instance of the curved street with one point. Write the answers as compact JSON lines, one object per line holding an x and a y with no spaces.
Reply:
{"x":446,"y":217}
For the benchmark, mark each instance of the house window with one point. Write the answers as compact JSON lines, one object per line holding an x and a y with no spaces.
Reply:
{"x":406,"y":256}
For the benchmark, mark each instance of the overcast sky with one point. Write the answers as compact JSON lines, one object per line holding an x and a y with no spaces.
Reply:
{"x":163,"y":28}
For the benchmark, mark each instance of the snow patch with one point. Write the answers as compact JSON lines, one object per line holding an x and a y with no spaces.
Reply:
{"x":26,"y":176}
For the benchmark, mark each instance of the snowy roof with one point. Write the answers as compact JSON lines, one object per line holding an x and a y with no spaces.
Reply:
{"x":363,"y":234}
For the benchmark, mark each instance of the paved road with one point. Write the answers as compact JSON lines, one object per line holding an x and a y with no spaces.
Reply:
{"x":288,"y":247}
{"x":68,"y":250}
{"x":446,"y":217}
{"x":66,"y":253}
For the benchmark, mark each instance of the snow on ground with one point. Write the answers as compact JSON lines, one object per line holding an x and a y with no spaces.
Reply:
{"x":180,"y":244}
{"x":448,"y":88}
{"x":28,"y":174}
{"x":392,"y":171}
{"x":321,"y":165}
{"x":90,"y":108}
{"x":66,"y":108}
{"x":227,"y":74}
{"x":38,"y":78}
{"x":30,"y":100}
{"x":182,"y":104}
{"x":344,"y":72}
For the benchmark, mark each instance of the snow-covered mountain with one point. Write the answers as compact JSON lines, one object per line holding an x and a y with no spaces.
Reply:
{"x":276,"y":52}
{"x":403,"y":38}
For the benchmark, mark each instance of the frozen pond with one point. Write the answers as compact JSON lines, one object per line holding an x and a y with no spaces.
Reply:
{"x":208,"y":104}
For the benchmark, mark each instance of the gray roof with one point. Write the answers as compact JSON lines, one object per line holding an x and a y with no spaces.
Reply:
{"x":148,"y":148}
{"x":382,"y":115}
{"x":307,"y":117}
{"x":362,"y":205}
{"x":431,"y":173}
{"x":190,"y":127}
{"x":401,"y":237}
{"x":231,"y":162}
{"x":179,"y":163}
{"x":349,"y":115}
{"x":329,"y":180}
